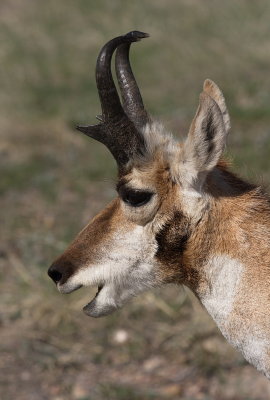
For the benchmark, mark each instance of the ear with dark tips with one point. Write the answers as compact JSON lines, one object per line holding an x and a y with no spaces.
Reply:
{"x":212,"y":89}
{"x":206,"y":139}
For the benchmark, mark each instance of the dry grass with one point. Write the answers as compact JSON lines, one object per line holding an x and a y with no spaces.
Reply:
{"x":53,"y":181}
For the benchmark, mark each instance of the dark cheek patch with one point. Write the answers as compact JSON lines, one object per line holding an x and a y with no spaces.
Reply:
{"x":172,"y":240}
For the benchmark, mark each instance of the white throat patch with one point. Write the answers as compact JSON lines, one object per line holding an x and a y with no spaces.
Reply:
{"x":223,"y":275}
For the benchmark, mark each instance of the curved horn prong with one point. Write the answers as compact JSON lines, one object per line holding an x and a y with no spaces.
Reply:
{"x":109,"y":99}
{"x":116,"y":130}
{"x":93,"y":131}
{"x":122,"y":141}
{"x":132,"y":99}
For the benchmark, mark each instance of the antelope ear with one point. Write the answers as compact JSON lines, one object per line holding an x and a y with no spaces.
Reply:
{"x":205,"y":142}
{"x":214,"y":91}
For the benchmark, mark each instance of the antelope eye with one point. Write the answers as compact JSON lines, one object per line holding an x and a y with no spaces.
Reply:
{"x":135,"y":198}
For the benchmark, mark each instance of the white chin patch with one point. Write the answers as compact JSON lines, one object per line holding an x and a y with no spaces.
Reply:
{"x":67,"y":288}
{"x":93,"y":309}
{"x":103,"y":303}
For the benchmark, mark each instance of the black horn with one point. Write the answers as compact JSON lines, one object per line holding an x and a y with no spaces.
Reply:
{"x":116,"y":130}
{"x":132,"y":99}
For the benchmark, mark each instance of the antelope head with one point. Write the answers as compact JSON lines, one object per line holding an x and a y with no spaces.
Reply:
{"x":143,"y":238}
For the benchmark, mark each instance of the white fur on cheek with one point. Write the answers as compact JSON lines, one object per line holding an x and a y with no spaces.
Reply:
{"x":125,"y":267}
{"x":193,"y":203}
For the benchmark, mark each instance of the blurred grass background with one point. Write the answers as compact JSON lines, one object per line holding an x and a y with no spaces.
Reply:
{"x":53,"y":180}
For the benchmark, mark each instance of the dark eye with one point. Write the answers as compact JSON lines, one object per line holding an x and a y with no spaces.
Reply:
{"x":135,"y":198}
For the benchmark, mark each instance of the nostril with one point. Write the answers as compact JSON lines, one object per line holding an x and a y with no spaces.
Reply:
{"x":61,"y":270}
{"x":55,"y":275}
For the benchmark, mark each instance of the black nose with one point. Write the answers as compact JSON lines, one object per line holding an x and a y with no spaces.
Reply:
{"x":54,"y":274}
{"x":60,"y":271}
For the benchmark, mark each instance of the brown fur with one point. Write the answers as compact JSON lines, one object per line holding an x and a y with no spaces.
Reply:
{"x":199,"y":209}
{"x":86,"y":246}
{"x":238,"y":212}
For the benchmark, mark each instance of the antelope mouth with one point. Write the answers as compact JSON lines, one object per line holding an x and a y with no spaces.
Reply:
{"x":101,"y":304}
{"x":97,"y":307}
{"x":100,"y":287}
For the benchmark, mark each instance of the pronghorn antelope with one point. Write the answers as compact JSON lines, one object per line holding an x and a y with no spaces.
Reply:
{"x":180,"y":215}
